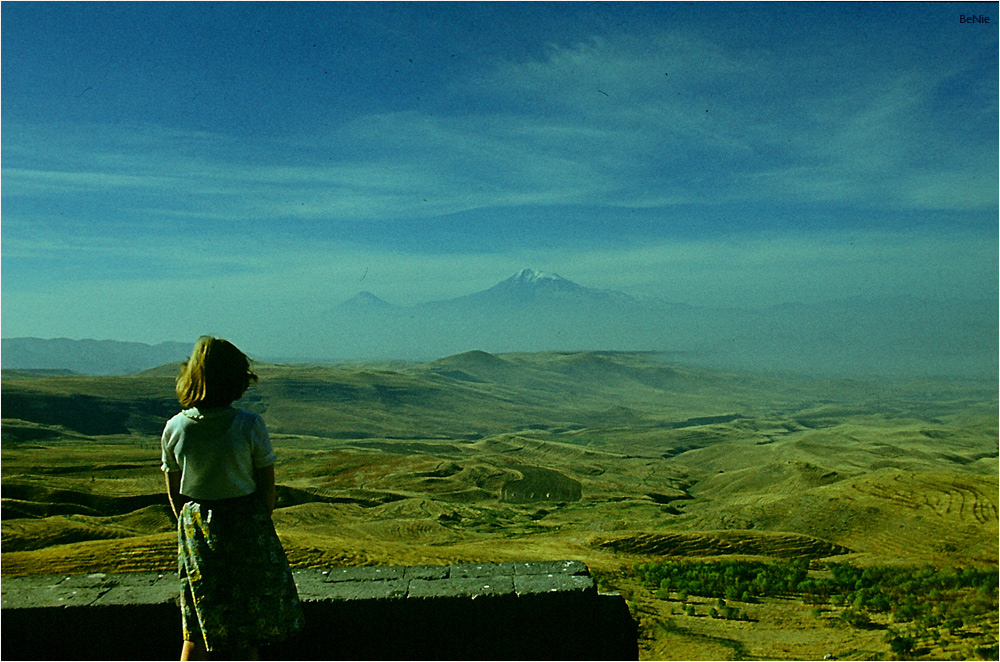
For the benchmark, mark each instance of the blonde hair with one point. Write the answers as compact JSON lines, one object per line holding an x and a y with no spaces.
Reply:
{"x":216,"y":374}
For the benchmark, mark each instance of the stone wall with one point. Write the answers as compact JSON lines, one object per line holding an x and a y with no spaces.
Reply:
{"x":511,"y":611}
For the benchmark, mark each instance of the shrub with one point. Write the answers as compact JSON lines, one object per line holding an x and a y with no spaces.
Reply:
{"x":854,"y":618}
{"x":902,"y":646}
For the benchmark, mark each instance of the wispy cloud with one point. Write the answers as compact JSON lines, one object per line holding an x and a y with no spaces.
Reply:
{"x":614,"y":122}
{"x":697,"y":109}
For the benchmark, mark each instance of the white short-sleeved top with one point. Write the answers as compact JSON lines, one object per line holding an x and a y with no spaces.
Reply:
{"x":217,"y":451}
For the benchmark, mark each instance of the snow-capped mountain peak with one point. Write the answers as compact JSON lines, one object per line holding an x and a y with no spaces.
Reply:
{"x":531,"y":286}
{"x":530,"y":282}
{"x":531,"y":277}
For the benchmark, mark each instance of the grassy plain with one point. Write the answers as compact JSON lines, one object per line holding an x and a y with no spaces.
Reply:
{"x":615,"y":459}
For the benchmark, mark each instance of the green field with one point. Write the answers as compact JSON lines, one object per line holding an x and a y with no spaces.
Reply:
{"x":621,"y":460}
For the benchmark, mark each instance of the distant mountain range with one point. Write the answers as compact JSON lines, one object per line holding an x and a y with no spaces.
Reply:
{"x":530,"y":311}
{"x":529,"y":287}
{"x":525,"y":288}
{"x":93,"y":357}
{"x":535,"y":311}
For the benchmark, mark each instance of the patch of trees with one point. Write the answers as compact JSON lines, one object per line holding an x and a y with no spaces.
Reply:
{"x":745,"y":581}
{"x":925,"y":605}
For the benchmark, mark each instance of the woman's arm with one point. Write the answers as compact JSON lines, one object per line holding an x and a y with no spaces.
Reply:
{"x":173,"y":479}
{"x":265,"y":486}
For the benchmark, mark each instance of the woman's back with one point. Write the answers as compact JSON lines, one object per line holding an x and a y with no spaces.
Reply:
{"x":217,"y":450}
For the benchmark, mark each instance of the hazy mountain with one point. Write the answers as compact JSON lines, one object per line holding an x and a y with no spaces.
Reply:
{"x":365,"y":302}
{"x":530,"y":311}
{"x":94,"y":357}
{"x":535,"y":311}
{"x":530,"y":287}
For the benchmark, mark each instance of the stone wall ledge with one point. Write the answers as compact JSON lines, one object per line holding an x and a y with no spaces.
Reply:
{"x":526,"y":610}
{"x":362,"y":583}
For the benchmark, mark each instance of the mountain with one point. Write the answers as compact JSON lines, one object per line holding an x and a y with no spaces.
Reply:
{"x":365,"y":302}
{"x":530,"y":311}
{"x":534,"y":287}
{"x":534,"y":311}
{"x":93,"y":357}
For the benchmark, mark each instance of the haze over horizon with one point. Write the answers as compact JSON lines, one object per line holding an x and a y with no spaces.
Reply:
{"x":176,"y":169}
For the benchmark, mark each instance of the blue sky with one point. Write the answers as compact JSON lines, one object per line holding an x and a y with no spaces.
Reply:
{"x":175,"y":168}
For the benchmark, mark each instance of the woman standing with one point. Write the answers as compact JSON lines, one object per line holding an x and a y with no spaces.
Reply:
{"x":238,"y":592}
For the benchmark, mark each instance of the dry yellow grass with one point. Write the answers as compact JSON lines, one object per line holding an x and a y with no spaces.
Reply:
{"x":609,"y":459}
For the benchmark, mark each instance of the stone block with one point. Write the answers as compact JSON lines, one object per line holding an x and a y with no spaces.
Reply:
{"x":555,"y":583}
{"x":141,"y":588}
{"x":478,"y":570}
{"x":378,"y":590}
{"x":40,"y":581}
{"x":93,"y":580}
{"x":427,"y":572}
{"x":365,"y":574}
{"x":462,"y":587}
{"x":66,"y":597}
{"x":168,"y":581}
{"x":22,"y":596}
{"x":550,"y":568}
{"x":311,"y":584}
{"x":53,"y":590}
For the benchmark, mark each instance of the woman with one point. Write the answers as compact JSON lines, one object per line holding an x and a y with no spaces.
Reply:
{"x":238,"y":592}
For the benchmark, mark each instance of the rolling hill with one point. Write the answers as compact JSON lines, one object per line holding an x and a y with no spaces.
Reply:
{"x":613,"y":458}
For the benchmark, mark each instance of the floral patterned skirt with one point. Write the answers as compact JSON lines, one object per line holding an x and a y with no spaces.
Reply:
{"x":237,"y":589}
